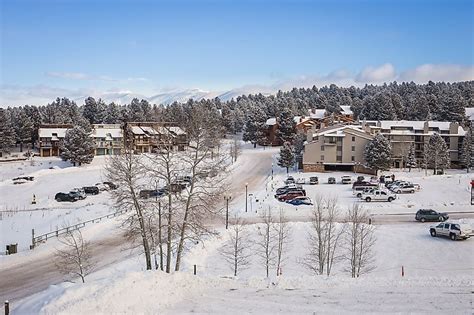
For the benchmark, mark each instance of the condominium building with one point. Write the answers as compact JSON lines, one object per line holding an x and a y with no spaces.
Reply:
{"x":336,"y":148}
{"x":108,"y":139}
{"x":403,"y":134}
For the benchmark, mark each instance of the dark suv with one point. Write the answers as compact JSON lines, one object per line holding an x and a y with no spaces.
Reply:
{"x":92,"y":190}
{"x":424,"y":215}
{"x":65,"y":197}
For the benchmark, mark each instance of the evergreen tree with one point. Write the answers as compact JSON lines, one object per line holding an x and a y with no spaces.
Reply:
{"x":453,"y":108}
{"x":7,"y":132}
{"x":255,"y":126}
{"x":377,"y":153}
{"x":78,"y":146}
{"x":287,"y":157}
{"x":23,"y":128}
{"x":436,"y":153}
{"x":467,"y":153}
{"x":286,"y":126}
{"x":298,"y":143}
{"x":411,"y":158}
{"x":90,"y":111}
{"x":112,"y":114}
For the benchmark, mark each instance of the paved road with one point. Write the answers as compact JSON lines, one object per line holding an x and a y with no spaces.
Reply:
{"x":38,"y":271}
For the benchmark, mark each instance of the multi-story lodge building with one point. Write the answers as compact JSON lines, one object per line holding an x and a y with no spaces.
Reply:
{"x":336,"y":147}
{"x":342,"y":147}
{"x":402,"y":134}
{"x":50,"y":138}
{"x":109,"y":139}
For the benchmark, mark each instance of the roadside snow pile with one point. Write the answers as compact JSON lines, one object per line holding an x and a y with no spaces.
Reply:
{"x":155,"y":292}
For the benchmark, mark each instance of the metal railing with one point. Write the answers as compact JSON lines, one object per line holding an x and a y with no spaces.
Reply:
{"x":44,"y":237}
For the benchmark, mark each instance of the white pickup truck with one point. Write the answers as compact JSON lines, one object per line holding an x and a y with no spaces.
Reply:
{"x":379,"y":195}
{"x":454,"y":231}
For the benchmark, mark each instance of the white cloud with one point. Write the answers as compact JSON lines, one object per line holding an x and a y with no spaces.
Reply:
{"x":13,"y":95}
{"x":436,"y":73}
{"x":380,"y":74}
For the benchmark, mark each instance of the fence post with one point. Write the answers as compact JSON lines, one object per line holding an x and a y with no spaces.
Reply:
{"x":7,"y":307}
{"x":194,"y":269}
{"x":33,"y":238}
{"x":403,"y":271}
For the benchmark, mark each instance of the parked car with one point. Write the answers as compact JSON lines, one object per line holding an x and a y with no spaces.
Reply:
{"x":313,"y":180}
{"x":301,"y":181}
{"x":91,"y":190}
{"x":111,"y":185}
{"x":378,"y":195}
{"x":430,"y":215}
{"x":79,"y":192}
{"x":289,"y":180}
{"x":102,"y":187}
{"x":397,"y":182}
{"x":364,"y":184}
{"x":360,"y":190}
{"x":298,"y":201}
{"x":403,"y":189}
{"x":59,"y":197}
{"x":331,"y":180}
{"x":187,"y":179}
{"x":285,"y":189}
{"x":22,"y":179}
{"x":346,"y":179}
{"x":291,"y":195}
{"x":454,"y":231}
{"x":149,"y":193}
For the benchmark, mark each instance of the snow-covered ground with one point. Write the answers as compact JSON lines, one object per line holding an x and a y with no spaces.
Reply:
{"x":438,"y":278}
{"x":438,"y":272}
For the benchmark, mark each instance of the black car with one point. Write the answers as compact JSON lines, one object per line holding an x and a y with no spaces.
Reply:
{"x":111,"y":185}
{"x":91,"y":190}
{"x":65,"y":197}
{"x":430,"y":215}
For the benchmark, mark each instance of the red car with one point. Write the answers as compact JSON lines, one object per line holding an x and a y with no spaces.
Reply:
{"x":292,"y":194}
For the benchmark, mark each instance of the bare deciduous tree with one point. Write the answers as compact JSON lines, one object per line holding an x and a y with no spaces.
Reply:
{"x":126,"y":170}
{"x":74,"y":255}
{"x":359,"y":242}
{"x":324,"y":237}
{"x":267,"y":241}
{"x":283,"y":231}
{"x":235,"y":149}
{"x":236,"y":251}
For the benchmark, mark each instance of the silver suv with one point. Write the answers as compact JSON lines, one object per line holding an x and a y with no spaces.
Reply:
{"x":454,"y":231}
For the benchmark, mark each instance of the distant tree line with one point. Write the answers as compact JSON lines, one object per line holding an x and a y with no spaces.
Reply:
{"x":248,"y":113}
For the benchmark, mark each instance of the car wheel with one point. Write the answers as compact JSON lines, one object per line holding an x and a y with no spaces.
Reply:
{"x":423,"y":220}
{"x":452,"y":236}
{"x":368,"y":199}
{"x":441,"y":219}
{"x":412,"y":192}
{"x":359,"y":195}
{"x":390,"y":199}
{"x":433,"y":233}
{"x":399,"y":191}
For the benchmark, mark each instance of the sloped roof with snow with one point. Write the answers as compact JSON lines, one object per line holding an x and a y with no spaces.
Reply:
{"x":318,"y":113}
{"x":107,"y":132}
{"x":346,"y":110}
{"x":48,"y":132}
{"x":177,"y":130}
{"x":137,"y":130}
{"x":470,"y":113}
{"x":149,"y":130}
{"x":271,"y":121}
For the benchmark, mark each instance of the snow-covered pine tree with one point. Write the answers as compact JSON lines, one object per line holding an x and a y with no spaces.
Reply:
{"x":254,"y":126}
{"x":7,"y":132}
{"x":90,"y":110}
{"x":287,"y":156}
{"x":411,"y":158}
{"x":23,"y":128}
{"x":436,"y":153}
{"x":286,"y":126}
{"x":467,"y":152}
{"x":78,"y":146}
{"x":112,"y":114}
{"x":453,"y":108}
{"x":378,"y":152}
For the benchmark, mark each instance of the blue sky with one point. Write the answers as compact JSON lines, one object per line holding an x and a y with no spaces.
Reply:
{"x":153,"y":46}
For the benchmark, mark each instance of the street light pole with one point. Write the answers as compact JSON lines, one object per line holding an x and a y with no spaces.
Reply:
{"x":227,"y":198}
{"x":246,"y":196}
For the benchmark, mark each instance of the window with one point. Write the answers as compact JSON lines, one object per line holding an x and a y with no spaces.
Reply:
{"x":322,"y":157}
{"x":353,"y":148}
{"x":352,"y":158}
{"x":353,"y":139}
{"x":446,"y":226}
{"x":455,"y":227}
{"x":322,"y":148}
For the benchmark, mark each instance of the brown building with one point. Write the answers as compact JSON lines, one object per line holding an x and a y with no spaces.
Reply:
{"x":50,"y":138}
{"x":337,"y":147}
{"x":108,"y":139}
{"x":146,"y":137}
